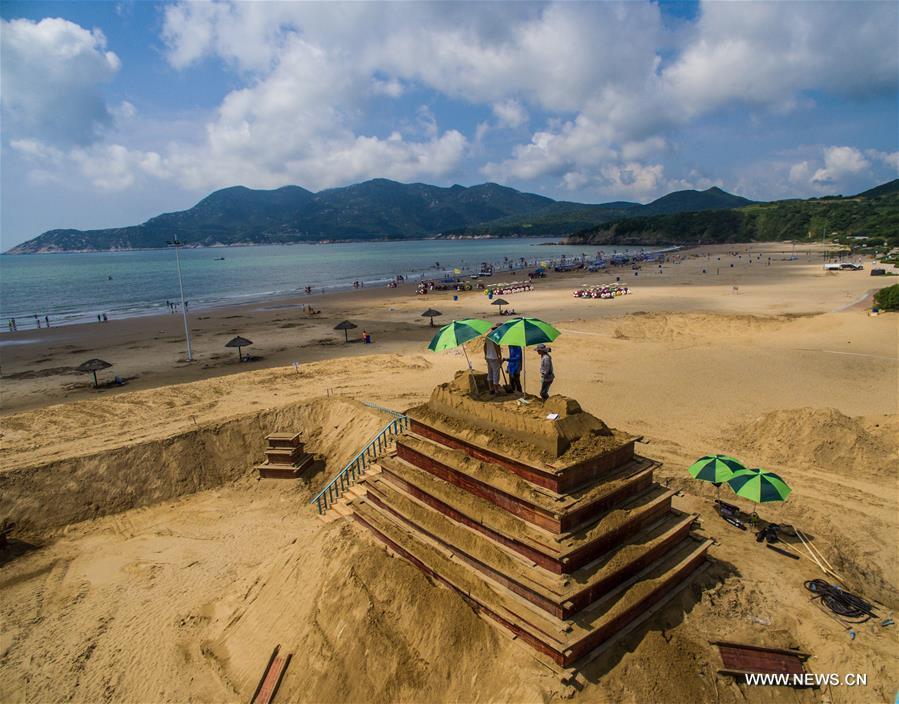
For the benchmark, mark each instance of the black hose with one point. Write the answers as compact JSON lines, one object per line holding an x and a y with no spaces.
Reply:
{"x":840,"y":601}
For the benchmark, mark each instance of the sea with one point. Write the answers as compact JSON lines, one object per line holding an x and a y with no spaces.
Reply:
{"x":75,"y":288}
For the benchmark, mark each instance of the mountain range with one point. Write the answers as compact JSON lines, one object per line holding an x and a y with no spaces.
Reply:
{"x":373,"y":210}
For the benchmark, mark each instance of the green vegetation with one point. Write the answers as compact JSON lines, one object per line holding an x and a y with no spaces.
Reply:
{"x":842,"y":219}
{"x":887,"y":298}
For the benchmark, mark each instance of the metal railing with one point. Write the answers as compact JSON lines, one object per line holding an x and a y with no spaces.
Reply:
{"x":356,"y":467}
{"x":388,"y":411}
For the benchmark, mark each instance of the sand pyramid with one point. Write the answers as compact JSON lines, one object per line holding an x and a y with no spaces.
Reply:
{"x":554,"y":528}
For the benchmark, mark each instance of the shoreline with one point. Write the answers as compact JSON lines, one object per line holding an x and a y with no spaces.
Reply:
{"x":511,"y":268}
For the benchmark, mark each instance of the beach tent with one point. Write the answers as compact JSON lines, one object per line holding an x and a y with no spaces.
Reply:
{"x":239,"y":342}
{"x":345,"y":325}
{"x":93,"y":366}
{"x":431,"y":313}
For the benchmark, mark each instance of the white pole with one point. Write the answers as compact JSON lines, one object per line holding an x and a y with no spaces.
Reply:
{"x":190,"y":356}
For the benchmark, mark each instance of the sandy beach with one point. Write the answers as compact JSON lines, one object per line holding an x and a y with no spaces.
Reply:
{"x":150,"y":564}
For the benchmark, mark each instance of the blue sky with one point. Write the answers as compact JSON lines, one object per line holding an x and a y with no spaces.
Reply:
{"x":116,"y":111}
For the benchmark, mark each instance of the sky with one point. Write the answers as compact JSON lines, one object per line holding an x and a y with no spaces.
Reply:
{"x":113,"y":112}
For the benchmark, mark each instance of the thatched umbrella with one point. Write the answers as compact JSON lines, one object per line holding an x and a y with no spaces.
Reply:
{"x":93,"y":366}
{"x":345,"y":325}
{"x":430,"y":313}
{"x":500,"y":302}
{"x":239,"y":342}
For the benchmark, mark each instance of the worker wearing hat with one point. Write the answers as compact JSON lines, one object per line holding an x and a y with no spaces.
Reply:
{"x":547,"y":373}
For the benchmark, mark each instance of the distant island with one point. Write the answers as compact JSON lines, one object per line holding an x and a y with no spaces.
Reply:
{"x":381,"y":209}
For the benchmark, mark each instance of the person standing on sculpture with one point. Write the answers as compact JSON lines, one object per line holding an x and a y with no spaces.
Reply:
{"x":547,"y":373}
{"x":514,"y":368}
{"x":494,"y":358}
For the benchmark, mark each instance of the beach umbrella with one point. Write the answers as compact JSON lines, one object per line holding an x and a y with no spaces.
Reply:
{"x":715,"y":468}
{"x":500,"y":302}
{"x":523,"y":332}
{"x":93,"y":366}
{"x":239,"y":342}
{"x":431,"y":313}
{"x":759,"y":485}
{"x":457,"y":333}
{"x":345,"y":325}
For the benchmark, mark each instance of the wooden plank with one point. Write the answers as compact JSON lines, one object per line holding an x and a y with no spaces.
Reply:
{"x":271,"y":677}
{"x":767,"y":649}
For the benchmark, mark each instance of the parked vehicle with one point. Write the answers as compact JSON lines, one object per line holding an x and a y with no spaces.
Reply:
{"x":849,"y":266}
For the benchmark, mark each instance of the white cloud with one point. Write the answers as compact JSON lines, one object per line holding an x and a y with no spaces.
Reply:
{"x":767,"y":54}
{"x":510,"y":113}
{"x":840,"y":162}
{"x":52,"y":75}
{"x":633,"y":180}
{"x":839,"y":169}
{"x":108,"y":167}
{"x":891,"y":159}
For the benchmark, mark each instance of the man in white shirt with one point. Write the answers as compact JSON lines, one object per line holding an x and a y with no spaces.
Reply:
{"x":494,"y":358}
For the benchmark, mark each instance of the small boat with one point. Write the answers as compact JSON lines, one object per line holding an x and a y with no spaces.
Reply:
{"x":219,"y":259}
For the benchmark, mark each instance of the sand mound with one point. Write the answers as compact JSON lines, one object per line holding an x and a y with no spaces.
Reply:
{"x":693,"y":328}
{"x":363,"y":626}
{"x":821,"y":437}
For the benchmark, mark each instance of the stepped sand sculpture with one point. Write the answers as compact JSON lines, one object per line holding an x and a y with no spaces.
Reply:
{"x":554,"y":528}
{"x":285,"y":457}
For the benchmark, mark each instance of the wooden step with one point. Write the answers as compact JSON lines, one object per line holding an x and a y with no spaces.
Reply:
{"x":565,"y":552}
{"x":563,"y":640}
{"x":560,"y":595}
{"x":543,"y":507}
{"x":276,"y":471}
{"x":560,"y":475}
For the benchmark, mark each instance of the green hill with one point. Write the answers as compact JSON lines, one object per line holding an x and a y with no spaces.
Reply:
{"x":875,"y":217}
{"x":376,"y":209}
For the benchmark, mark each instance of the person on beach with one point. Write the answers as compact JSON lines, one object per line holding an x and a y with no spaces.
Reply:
{"x":494,"y":358}
{"x":47,"y":320}
{"x":513,"y":366}
{"x":547,"y":373}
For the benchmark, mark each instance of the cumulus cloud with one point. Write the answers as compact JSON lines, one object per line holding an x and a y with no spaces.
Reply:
{"x":601,"y":88}
{"x":52,"y":75}
{"x":842,"y":169}
{"x":840,"y":162}
{"x":510,"y":113}
{"x":108,"y":167}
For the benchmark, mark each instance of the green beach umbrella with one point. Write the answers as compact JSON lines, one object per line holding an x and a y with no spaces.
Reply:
{"x":457,"y":333}
{"x":523,"y":332}
{"x":759,"y":485}
{"x":715,"y":468}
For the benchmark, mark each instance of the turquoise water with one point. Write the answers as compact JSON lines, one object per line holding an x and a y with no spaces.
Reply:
{"x":71,"y":288}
